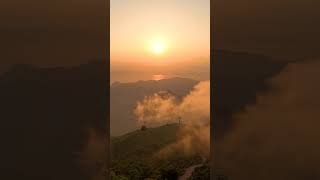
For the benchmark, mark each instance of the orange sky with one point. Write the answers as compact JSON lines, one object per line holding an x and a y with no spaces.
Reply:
{"x":182,"y":27}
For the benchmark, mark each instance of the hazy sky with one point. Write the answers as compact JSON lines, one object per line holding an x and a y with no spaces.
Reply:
{"x":286,"y":29}
{"x":64,"y":32}
{"x":52,"y":32}
{"x":179,"y":29}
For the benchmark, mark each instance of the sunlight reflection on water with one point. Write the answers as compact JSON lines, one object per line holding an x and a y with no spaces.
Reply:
{"x":158,"y":77}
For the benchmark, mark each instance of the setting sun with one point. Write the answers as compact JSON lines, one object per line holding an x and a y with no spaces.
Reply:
{"x":158,"y":47}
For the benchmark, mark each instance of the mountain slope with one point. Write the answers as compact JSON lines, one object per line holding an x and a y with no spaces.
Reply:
{"x":143,"y":143}
{"x":133,"y":154}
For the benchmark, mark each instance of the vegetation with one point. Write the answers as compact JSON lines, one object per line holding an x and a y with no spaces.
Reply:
{"x":201,"y":173}
{"x":133,"y":155}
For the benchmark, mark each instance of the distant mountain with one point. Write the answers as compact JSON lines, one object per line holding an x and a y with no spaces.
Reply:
{"x":237,"y":78}
{"x":124,"y":98}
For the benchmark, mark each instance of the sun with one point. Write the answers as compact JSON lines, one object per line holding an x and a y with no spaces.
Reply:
{"x":158,"y":47}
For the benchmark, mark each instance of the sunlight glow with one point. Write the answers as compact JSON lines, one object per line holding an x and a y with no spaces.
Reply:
{"x":158,"y":47}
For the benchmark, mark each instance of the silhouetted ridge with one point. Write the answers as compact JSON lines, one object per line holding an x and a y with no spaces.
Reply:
{"x":238,"y":77}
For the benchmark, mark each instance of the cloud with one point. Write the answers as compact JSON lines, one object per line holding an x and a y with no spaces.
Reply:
{"x":193,"y":140}
{"x":278,"y":137}
{"x":194,"y":112}
{"x":157,"y":109}
{"x":94,"y":154}
{"x":163,"y":107}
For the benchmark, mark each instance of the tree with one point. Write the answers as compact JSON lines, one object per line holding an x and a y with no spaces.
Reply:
{"x":115,"y":177}
{"x":169,"y":173}
{"x":143,"y":128}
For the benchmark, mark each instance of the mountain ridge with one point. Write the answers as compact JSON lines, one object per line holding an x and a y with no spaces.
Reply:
{"x":125,"y":96}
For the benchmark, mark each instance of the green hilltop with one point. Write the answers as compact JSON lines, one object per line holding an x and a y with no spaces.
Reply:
{"x":143,"y":142}
{"x":132,"y":155}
